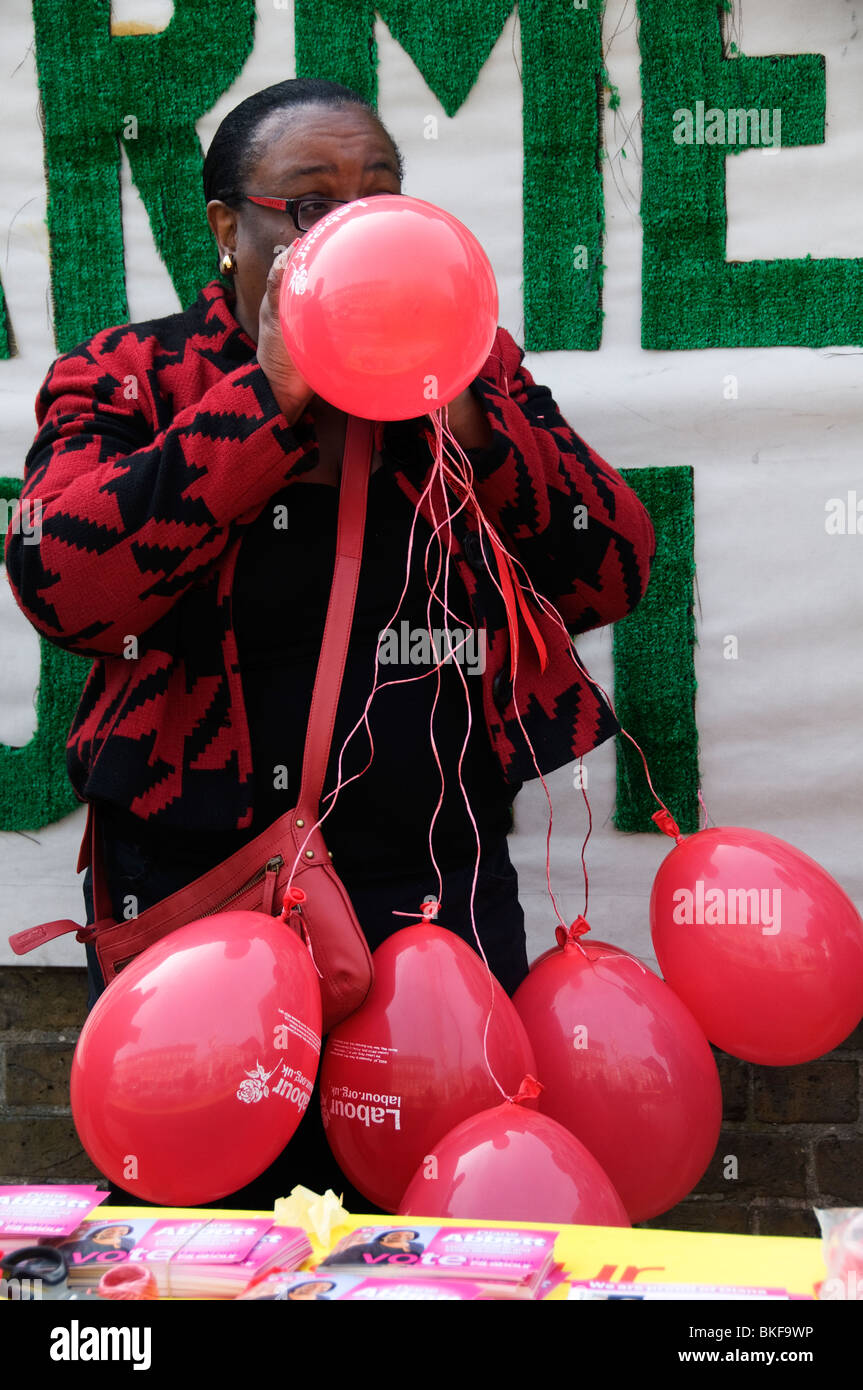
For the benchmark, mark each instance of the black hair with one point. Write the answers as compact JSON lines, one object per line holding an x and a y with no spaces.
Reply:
{"x":234,"y":148}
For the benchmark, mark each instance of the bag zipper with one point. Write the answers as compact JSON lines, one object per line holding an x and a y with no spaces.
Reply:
{"x":272,"y":866}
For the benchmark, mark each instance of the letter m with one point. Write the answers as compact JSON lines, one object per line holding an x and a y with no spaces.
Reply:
{"x":561,"y":62}
{"x":742,"y":905}
{"x":116,"y":1343}
{"x":748,"y":125}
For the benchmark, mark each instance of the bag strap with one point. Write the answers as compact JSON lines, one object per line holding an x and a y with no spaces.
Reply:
{"x":340,"y":613}
{"x":102,"y":906}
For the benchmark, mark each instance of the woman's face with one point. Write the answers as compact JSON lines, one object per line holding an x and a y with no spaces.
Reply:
{"x":111,"y":1235}
{"x":333,"y":152}
{"x":398,"y":1240}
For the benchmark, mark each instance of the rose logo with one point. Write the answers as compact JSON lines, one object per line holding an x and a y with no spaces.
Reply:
{"x":256,"y":1087}
{"x":299,"y":280}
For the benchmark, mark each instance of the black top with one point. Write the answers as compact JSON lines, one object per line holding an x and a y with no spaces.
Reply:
{"x":280,"y":594}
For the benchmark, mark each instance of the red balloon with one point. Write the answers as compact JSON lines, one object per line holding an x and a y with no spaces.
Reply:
{"x":388,"y":307}
{"x":626,"y":1068}
{"x":409,"y":1064}
{"x":196,"y":1065}
{"x":760,"y":943}
{"x":511,"y":1164}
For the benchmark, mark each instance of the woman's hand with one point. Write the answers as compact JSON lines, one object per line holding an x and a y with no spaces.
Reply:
{"x":468,"y":421}
{"x":291,"y":391}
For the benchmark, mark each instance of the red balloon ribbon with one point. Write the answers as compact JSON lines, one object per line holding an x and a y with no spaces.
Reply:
{"x":568,"y":936}
{"x":292,"y":903}
{"x":515,"y":602}
{"x":667,"y":824}
{"x":528,"y":1090}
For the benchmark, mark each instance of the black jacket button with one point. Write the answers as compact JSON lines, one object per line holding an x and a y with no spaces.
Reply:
{"x":501,"y":690}
{"x":473,"y":551}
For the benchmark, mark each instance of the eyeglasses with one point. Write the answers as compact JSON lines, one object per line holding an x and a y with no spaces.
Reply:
{"x":304,"y":212}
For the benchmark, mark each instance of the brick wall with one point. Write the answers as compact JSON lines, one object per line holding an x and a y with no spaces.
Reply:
{"x":41,"y":1012}
{"x":795,"y":1134}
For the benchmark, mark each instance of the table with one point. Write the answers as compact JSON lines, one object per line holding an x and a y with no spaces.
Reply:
{"x":609,"y":1252}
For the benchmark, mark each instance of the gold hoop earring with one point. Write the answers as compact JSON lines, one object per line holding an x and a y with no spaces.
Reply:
{"x":228,"y":264}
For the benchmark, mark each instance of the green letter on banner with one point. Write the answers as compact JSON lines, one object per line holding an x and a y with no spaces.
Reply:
{"x":700,"y":107}
{"x":654,"y":649}
{"x":5,"y":342}
{"x":141,"y":92}
{"x":34,"y":787}
{"x":562,"y":62}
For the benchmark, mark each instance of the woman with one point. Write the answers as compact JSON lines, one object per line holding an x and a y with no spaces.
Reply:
{"x":168,"y":458}
{"x":355,"y":1250}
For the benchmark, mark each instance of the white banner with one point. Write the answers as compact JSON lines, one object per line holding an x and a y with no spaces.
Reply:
{"x":778,"y":746}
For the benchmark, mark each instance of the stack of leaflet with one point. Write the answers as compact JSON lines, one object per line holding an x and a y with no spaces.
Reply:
{"x":321,"y":1286}
{"x":592,"y":1290}
{"x":97,"y":1244}
{"x":32,"y":1215}
{"x":496,"y":1262}
{"x":190,"y":1258}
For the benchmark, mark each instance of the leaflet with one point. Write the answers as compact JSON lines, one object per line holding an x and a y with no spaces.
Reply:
{"x":49,"y":1210}
{"x":517,"y":1257}
{"x":598,"y":1289}
{"x":189,"y":1257}
{"x":322,"y":1286}
{"x":188,"y":1241}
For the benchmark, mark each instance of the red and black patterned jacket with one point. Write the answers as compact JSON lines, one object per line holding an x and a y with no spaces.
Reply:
{"x":160,"y":442}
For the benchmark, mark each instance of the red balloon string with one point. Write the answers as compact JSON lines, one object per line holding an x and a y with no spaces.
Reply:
{"x":460,"y":477}
{"x":441,"y":431}
{"x":436,"y":567}
{"x":452,"y":475}
{"x":587,"y":836}
{"x":551,"y":612}
{"x":462,"y":480}
{"x":363,"y":721}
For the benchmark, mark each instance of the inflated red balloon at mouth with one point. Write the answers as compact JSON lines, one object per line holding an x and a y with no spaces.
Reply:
{"x":388,"y":307}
